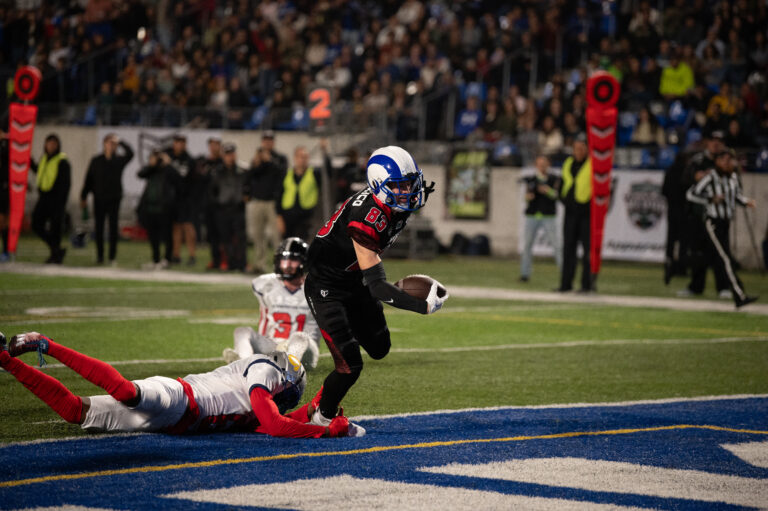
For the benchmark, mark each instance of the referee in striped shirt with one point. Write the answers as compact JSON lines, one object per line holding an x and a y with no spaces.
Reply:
{"x":717,"y":194}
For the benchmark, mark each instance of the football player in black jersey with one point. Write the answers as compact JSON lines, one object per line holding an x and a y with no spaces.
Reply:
{"x":346,"y":283}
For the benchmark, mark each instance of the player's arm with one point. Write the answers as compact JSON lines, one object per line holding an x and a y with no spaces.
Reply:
{"x":376,"y":279}
{"x":274,"y":424}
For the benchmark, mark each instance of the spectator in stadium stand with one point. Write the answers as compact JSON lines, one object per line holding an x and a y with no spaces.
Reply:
{"x":104,"y":179}
{"x":54,"y":177}
{"x":188,"y":198}
{"x":576,"y":195}
{"x":648,"y":132}
{"x":541,"y":191}
{"x":737,"y":138}
{"x":676,"y":79}
{"x":207,"y":166}
{"x":262,"y":187}
{"x":299,"y":195}
{"x":469,"y":118}
{"x":227,"y":191}
{"x":156,"y":203}
{"x":723,"y":101}
{"x":550,"y":137}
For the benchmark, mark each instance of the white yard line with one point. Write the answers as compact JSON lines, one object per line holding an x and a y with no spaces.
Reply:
{"x":457,"y":291}
{"x":461,"y":349}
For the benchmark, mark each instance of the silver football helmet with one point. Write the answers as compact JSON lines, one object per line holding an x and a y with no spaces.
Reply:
{"x":293,"y":383}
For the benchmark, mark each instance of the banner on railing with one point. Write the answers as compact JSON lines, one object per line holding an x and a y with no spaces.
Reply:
{"x":468,"y":185}
{"x":602,"y":95}
{"x":21,"y":129}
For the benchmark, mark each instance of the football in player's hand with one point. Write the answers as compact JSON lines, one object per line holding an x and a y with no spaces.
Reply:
{"x":418,"y":286}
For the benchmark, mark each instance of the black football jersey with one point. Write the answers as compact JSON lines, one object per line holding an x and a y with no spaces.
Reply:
{"x":331,"y":259}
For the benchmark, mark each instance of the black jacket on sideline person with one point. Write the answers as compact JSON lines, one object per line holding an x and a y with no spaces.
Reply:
{"x":105,"y":177}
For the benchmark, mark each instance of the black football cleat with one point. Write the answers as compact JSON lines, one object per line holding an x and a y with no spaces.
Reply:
{"x":747,"y":300}
{"x":24,"y":343}
{"x":3,"y":343}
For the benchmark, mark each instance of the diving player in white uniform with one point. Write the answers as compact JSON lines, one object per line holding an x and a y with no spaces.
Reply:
{"x":248,"y":395}
{"x":284,"y":316}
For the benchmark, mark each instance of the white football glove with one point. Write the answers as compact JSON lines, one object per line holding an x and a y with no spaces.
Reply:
{"x":437,"y":296}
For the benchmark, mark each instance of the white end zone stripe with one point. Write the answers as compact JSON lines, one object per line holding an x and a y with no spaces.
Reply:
{"x":754,"y":453}
{"x":620,"y":477}
{"x":345,"y":491}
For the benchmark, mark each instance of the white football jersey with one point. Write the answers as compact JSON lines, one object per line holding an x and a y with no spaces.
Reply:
{"x":281,"y":312}
{"x":223,"y":395}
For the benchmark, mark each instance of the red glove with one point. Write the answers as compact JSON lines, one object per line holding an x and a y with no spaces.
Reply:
{"x":339,"y":426}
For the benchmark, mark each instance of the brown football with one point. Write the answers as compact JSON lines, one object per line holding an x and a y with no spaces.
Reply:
{"x":418,"y":286}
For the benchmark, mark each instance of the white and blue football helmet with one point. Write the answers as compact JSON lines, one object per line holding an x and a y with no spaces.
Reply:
{"x":293,"y":383}
{"x":394,"y":166}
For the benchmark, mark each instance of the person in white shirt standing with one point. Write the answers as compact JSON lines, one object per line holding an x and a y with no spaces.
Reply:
{"x":285,"y":321}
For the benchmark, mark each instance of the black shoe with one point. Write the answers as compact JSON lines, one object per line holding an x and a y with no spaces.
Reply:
{"x":3,"y":343}
{"x":561,"y":290}
{"x":667,"y":273}
{"x":60,"y":256}
{"x":524,"y":279}
{"x":747,"y":300}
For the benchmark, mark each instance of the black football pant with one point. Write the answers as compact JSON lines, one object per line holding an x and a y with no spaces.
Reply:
{"x":704,"y":256}
{"x":718,"y":254}
{"x":576,"y":230}
{"x":106,"y":210}
{"x":231,"y":227}
{"x":347,"y":320}
{"x":48,"y":220}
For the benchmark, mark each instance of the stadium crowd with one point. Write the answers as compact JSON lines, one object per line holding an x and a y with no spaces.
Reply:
{"x":684,"y":65}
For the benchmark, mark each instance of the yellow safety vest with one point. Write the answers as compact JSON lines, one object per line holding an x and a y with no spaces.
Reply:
{"x":583,"y":192}
{"x":48,"y":171}
{"x":307,"y":190}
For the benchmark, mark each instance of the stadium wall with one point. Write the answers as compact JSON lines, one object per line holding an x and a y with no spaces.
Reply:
{"x":637,"y":204}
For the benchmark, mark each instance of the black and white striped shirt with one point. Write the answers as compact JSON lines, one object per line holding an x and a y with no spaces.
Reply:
{"x":712,"y":185}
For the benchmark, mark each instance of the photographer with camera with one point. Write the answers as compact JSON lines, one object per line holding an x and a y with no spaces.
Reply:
{"x":156,"y":203}
{"x":262,"y":188}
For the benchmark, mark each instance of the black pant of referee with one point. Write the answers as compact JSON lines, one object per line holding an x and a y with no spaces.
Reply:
{"x":719,"y":255}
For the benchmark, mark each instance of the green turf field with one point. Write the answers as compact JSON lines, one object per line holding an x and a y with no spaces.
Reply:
{"x":474,"y":353}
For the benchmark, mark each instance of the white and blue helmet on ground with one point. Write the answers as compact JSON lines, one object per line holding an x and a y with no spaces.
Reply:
{"x":395,"y":179}
{"x":293,"y":381}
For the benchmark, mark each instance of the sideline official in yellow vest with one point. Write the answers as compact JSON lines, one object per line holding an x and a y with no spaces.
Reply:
{"x":54,"y":177}
{"x":298,"y":197}
{"x":576,"y":195}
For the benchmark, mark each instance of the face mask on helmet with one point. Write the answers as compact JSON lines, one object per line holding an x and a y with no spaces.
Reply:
{"x":290,"y":258}
{"x":294,"y":381}
{"x":395,"y":180}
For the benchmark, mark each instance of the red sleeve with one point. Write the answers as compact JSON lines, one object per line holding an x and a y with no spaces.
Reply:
{"x":300,"y":414}
{"x":364,"y":235}
{"x":274,"y":424}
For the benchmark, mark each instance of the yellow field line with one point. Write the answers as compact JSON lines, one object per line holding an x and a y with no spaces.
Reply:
{"x":368,"y":450}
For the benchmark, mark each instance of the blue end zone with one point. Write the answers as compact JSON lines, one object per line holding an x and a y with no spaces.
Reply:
{"x":393,"y":454}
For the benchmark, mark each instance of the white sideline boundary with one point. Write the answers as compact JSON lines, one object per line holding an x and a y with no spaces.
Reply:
{"x":613,"y":404}
{"x":682,"y":304}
